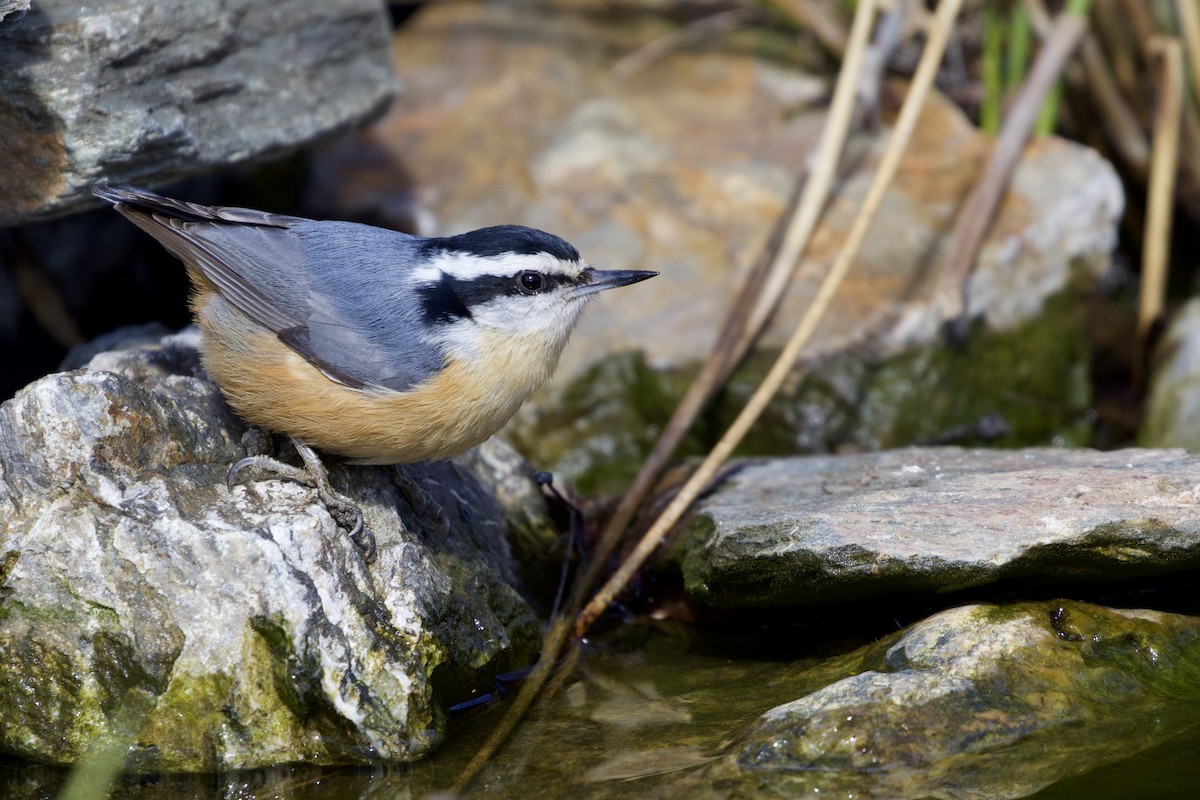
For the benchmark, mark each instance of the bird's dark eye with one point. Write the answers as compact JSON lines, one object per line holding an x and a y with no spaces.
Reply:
{"x":531,"y":281}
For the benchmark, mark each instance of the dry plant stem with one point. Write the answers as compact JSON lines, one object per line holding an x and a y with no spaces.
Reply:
{"x":556,"y":637}
{"x":756,"y":299}
{"x":1121,"y":122}
{"x":714,"y":370}
{"x":935,"y":46}
{"x":862,"y":69}
{"x":1102,"y":81}
{"x":1113,"y":37}
{"x":704,"y":28}
{"x":1137,"y":15}
{"x":1188,"y":14}
{"x":1189,"y":151}
{"x":1163,"y":168}
{"x":865,"y":64}
{"x":42,"y":297}
{"x":1140,"y":18}
{"x":976,"y":215}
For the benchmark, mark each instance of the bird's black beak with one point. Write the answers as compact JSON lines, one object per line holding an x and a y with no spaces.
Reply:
{"x":594,"y":280}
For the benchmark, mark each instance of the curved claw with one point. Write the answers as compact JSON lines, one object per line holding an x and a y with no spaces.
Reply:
{"x":367,"y":545}
{"x":238,"y":466}
{"x":362,"y":536}
{"x":358,"y":526}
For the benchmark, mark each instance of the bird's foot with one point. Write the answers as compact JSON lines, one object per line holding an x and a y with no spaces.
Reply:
{"x":345,"y":512}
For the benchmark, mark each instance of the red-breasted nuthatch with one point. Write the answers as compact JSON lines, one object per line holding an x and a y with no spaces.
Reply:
{"x":368,"y":343}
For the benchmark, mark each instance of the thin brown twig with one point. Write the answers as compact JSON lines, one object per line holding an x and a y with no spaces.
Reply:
{"x":556,"y":636}
{"x":1164,"y":163}
{"x":935,"y":46}
{"x":703,"y":28}
{"x":1113,"y":37}
{"x":552,"y":645}
{"x":868,"y":71}
{"x":1121,"y":122}
{"x":1189,"y":151}
{"x":756,"y":298}
{"x":1140,"y":18}
{"x":977,"y":213}
{"x":1101,"y":78}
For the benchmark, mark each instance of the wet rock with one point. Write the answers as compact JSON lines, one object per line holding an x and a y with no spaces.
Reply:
{"x":826,"y":529}
{"x":229,"y":628}
{"x":535,"y":539}
{"x":682,"y":166}
{"x":1172,"y":416}
{"x":148,"y":92}
{"x":980,"y":701}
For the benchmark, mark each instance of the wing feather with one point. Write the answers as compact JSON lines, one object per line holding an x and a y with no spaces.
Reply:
{"x":321,"y":287}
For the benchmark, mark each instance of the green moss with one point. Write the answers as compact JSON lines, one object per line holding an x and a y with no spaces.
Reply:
{"x":177,"y":735}
{"x":1035,"y":379}
{"x":1056,"y":688}
{"x":56,"y":707}
{"x":54,"y":615}
{"x":63,"y":689}
{"x":1139,"y":547}
{"x":48,"y":710}
{"x":1160,"y":652}
{"x":118,"y":672}
{"x":263,"y":711}
{"x":288,"y":678}
{"x":597,"y":430}
{"x":6,"y":567}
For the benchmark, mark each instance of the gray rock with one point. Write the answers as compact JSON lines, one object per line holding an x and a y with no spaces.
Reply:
{"x":11,"y":13}
{"x":826,"y":529}
{"x":242,"y":627}
{"x":147,"y":91}
{"x":533,"y":535}
{"x":1172,"y":416}
{"x":980,"y":701}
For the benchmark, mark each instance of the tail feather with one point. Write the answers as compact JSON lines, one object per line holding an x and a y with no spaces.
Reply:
{"x":131,"y":201}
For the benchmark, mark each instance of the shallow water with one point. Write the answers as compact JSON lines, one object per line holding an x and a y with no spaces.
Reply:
{"x":631,"y":723}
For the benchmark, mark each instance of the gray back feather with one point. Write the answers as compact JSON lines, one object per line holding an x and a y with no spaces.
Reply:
{"x":363,"y":317}
{"x":332,"y":291}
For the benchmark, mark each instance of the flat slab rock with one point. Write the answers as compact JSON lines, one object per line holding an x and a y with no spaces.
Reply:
{"x":829,"y":529}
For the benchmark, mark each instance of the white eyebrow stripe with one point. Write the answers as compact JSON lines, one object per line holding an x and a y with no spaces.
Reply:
{"x":465,"y":266}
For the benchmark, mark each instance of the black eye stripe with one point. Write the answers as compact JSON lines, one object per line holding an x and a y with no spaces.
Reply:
{"x":441,"y":301}
{"x":450,"y":298}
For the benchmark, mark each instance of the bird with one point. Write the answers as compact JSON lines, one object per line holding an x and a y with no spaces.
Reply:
{"x":370,"y":344}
